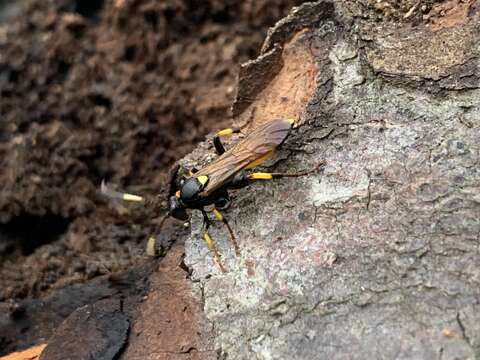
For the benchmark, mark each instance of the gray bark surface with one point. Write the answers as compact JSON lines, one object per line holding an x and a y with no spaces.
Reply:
{"x":376,"y":256}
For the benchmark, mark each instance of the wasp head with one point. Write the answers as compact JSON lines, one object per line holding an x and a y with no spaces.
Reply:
{"x":177,"y":208}
{"x":187,"y":196}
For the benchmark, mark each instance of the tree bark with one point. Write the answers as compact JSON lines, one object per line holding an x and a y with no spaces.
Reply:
{"x":378,"y":255}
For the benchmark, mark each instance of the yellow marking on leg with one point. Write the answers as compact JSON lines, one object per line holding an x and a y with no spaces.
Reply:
{"x":218,"y":214}
{"x":190,"y":173}
{"x":260,"y":161}
{"x":260,"y":176}
{"x":213,"y":249}
{"x":225,"y":132}
{"x":131,"y":197}
{"x":221,"y":218}
{"x":209,"y":241}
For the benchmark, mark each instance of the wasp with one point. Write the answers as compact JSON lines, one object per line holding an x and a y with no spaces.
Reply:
{"x":209,"y":186}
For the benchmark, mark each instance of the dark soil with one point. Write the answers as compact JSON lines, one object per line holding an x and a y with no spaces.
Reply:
{"x":105,"y":89}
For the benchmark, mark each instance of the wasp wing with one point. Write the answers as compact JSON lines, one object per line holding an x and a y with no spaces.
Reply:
{"x":260,"y":142}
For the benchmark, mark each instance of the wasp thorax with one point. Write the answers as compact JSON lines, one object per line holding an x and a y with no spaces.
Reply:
{"x":191,"y":187}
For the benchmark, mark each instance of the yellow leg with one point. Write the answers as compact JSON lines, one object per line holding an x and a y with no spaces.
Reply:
{"x":221,"y":218}
{"x":228,"y":131}
{"x":213,"y":249}
{"x":218,"y":143}
{"x":270,"y":176}
{"x":260,"y":176}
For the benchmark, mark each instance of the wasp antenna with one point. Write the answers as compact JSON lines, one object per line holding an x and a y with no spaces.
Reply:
{"x":118,"y":195}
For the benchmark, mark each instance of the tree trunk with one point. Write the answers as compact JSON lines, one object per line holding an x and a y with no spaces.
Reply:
{"x":377,"y":256}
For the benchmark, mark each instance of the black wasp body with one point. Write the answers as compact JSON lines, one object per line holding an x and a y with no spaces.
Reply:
{"x":209,"y":185}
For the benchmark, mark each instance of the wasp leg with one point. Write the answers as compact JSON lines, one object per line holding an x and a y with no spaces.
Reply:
{"x":223,"y":200}
{"x":243,"y":179}
{"x":210,"y":243}
{"x":192,"y":171}
{"x":221,"y":218}
{"x":218,"y":143}
{"x":270,"y":176}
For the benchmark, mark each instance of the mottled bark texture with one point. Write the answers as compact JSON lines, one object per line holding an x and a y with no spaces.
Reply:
{"x":377,"y":256}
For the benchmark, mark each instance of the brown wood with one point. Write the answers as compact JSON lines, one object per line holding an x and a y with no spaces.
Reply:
{"x":32,"y":353}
